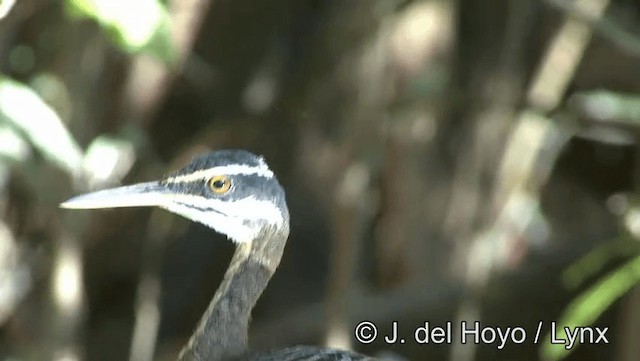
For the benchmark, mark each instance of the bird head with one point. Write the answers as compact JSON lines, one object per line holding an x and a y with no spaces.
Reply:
{"x":232,"y":191}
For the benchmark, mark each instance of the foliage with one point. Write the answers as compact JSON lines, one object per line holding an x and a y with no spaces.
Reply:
{"x":135,"y":26}
{"x":30,"y":118}
{"x":585,"y":309}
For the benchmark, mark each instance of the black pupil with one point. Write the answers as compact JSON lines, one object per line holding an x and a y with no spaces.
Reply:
{"x":219,"y":183}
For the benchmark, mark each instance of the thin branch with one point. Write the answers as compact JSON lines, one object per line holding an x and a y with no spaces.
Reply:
{"x":604,"y":26}
{"x":563,"y":56}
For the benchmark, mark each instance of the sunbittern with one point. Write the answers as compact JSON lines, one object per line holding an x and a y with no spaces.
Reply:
{"x":235,"y":193}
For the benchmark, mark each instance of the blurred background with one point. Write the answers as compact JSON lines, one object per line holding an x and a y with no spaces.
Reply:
{"x":443,"y":161}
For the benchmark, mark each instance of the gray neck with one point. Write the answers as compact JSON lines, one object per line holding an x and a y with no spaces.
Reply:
{"x":222,"y":331}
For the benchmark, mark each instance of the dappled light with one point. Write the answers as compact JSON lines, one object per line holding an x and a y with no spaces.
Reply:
{"x":453,"y":180}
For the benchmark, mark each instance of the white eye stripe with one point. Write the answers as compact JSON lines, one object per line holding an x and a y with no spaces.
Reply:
{"x":235,"y":169}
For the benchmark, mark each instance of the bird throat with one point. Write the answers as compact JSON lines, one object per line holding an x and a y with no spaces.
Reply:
{"x":223,"y":330}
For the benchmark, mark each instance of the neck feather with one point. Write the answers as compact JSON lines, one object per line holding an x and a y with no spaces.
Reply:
{"x":222,"y":331}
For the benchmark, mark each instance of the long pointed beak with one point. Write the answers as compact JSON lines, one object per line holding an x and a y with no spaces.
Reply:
{"x":137,"y":195}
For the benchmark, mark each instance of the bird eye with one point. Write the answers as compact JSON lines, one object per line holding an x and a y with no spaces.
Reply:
{"x":219,"y":184}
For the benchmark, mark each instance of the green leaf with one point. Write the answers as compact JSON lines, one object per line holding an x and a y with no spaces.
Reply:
{"x":594,"y":261}
{"x":23,"y":109}
{"x":135,"y":26}
{"x":609,"y":106}
{"x":588,"y":306}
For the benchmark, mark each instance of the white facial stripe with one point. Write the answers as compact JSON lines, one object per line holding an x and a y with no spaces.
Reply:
{"x":261,"y":170}
{"x":231,"y":219}
{"x":247,"y":208}
{"x":234,"y":229}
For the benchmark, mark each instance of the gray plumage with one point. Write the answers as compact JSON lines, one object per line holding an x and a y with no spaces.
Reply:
{"x":235,"y":193}
{"x":308,"y":353}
